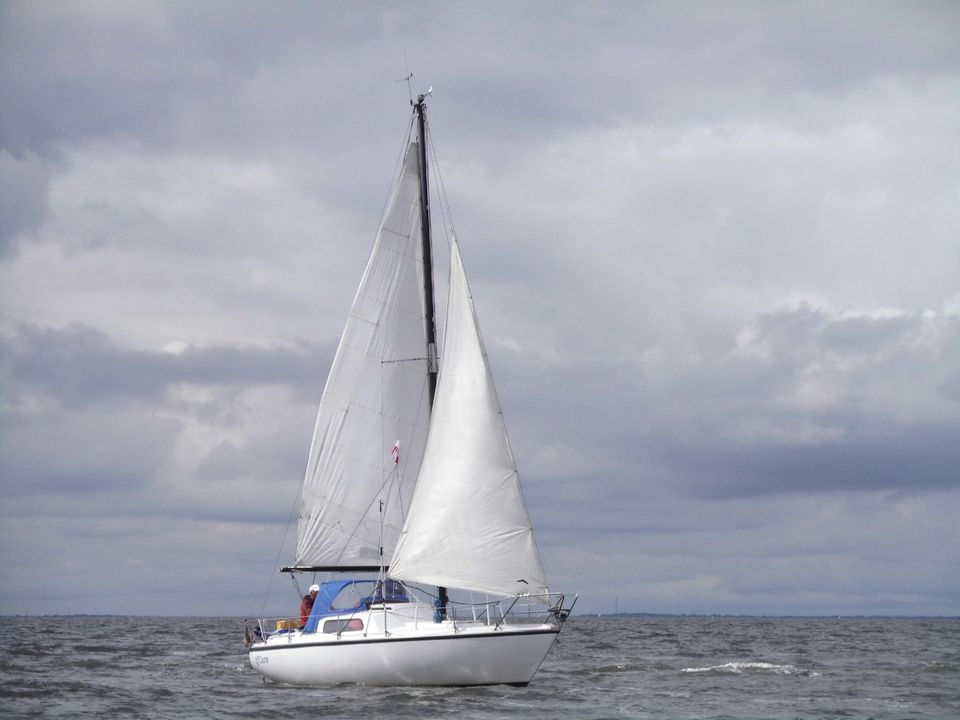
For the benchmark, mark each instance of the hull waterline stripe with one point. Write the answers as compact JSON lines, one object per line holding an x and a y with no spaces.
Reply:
{"x":373,"y":641}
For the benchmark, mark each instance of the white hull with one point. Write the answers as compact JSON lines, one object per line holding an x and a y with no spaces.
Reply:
{"x":410,"y":653}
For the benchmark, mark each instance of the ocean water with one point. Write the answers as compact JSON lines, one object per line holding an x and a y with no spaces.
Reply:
{"x":609,"y":667}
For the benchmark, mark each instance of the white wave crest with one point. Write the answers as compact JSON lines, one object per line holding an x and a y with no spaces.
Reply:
{"x":737,"y":668}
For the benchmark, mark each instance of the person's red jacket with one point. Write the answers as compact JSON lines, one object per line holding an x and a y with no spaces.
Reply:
{"x":305,"y":607}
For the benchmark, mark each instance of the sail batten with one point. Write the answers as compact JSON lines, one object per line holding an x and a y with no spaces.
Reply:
{"x":467,"y":526}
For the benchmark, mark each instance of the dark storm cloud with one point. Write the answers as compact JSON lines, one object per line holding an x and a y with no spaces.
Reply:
{"x":84,"y":415}
{"x":854,"y":402}
{"x":23,"y":202}
{"x":185,"y":75}
{"x":915,"y":458}
{"x":80,"y":366}
{"x":809,"y":401}
{"x":68,"y":457}
{"x":106,"y":69}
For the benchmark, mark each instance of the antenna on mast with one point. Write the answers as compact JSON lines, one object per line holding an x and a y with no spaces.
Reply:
{"x":408,"y":78}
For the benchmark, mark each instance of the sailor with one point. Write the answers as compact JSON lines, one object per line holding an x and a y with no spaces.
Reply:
{"x":307,"y":604}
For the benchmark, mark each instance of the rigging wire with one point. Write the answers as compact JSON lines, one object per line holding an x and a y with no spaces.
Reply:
{"x":283,"y":539}
{"x":441,"y":188}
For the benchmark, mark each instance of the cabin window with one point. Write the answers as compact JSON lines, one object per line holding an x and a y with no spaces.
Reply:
{"x":338,"y":626}
{"x":351,"y":595}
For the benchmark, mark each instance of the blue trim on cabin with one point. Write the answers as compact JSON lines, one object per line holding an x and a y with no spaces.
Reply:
{"x":322,"y":606}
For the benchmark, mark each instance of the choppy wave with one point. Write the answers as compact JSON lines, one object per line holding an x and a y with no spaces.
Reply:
{"x":663,"y":667}
{"x":738,"y":668}
{"x":619,"y":668}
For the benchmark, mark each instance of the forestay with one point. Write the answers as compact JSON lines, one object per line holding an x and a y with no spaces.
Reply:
{"x":376,"y":394}
{"x":467,"y":526}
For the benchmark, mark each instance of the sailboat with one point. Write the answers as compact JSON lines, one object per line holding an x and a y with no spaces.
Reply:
{"x":411,"y":501}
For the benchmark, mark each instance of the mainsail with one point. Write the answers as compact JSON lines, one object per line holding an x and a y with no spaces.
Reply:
{"x":354,"y":497}
{"x":467,"y":525}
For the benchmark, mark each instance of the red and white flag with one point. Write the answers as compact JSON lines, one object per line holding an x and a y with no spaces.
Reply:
{"x":396,"y":453}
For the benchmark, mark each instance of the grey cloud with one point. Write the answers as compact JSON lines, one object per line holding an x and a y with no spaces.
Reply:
{"x":610,"y":62}
{"x":918,"y":457}
{"x":80,"y":366}
{"x":81,"y":455}
{"x":814,"y":401}
{"x":642,"y":189}
{"x":807,"y":328}
{"x":86,"y":416}
{"x":865,"y":335}
{"x":197,"y":87}
{"x":23,"y":202}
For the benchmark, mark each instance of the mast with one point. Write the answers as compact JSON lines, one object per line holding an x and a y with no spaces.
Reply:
{"x":431,"y":330}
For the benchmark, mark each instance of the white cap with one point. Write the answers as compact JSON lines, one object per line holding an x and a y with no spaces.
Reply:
{"x":314,"y":588}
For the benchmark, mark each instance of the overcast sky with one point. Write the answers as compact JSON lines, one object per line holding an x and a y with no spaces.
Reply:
{"x":714,"y":247}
